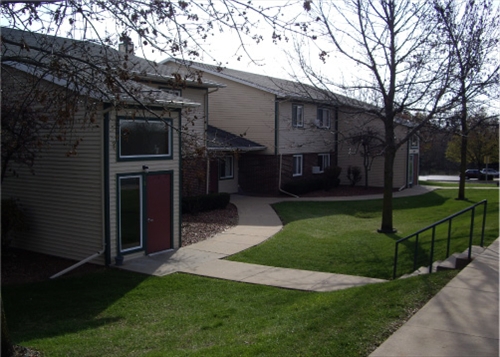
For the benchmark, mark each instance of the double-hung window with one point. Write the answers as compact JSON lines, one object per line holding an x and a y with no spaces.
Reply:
{"x":226,"y":170}
{"x":297,"y":115}
{"x":175,"y":92}
{"x":323,"y":161}
{"x":323,"y":118}
{"x":145,"y":138}
{"x":297,"y":165}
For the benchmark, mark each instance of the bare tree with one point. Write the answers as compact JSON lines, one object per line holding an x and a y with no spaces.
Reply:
{"x":470,"y":34}
{"x":91,"y":68}
{"x":390,"y":43}
{"x":369,"y":145}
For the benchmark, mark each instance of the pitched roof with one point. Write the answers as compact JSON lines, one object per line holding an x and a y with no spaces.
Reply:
{"x":221,"y":140}
{"x":282,"y":88}
{"x":91,"y":68}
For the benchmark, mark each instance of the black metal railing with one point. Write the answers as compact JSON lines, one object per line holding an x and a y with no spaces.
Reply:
{"x":433,"y":228}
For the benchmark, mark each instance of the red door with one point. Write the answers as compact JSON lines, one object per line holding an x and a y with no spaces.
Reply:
{"x":158,"y":212}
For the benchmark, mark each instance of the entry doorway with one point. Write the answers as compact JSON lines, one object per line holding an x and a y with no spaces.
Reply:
{"x":145,"y":212}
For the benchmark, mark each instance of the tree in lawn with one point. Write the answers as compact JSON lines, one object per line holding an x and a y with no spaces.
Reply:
{"x":482,"y":142}
{"x":369,"y":145}
{"x":390,"y":44}
{"x":470,"y":34}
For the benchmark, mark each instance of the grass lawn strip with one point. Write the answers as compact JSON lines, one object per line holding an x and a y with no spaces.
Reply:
{"x":117,"y":313}
{"x":341,"y":237}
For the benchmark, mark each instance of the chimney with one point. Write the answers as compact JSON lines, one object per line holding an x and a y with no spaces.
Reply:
{"x":126,"y":47}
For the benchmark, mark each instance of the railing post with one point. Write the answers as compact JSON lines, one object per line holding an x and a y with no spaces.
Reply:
{"x":415,"y":253}
{"x":484,"y":223}
{"x":471,"y":232}
{"x":395,"y":262}
{"x":449,"y":239}
{"x":432,"y":249}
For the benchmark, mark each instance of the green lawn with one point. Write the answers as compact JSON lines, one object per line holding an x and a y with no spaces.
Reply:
{"x":469,"y":184}
{"x":117,"y":313}
{"x":341,"y":237}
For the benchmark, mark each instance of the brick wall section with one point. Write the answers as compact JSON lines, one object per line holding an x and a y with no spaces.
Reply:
{"x":194,"y":181}
{"x":259,"y":174}
{"x":309,"y":160}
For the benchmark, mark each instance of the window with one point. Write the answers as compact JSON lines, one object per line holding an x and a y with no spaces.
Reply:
{"x":226,"y":168}
{"x":141,"y":138}
{"x":323,"y":119}
{"x":297,"y":165}
{"x":176,"y":92}
{"x":323,"y":161}
{"x":414,"y":141}
{"x":297,"y":116}
{"x":130,"y":212}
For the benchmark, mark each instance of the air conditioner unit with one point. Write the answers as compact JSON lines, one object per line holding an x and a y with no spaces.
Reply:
{"x":316,"y":170}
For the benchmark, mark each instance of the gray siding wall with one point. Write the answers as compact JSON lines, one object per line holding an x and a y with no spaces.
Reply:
{"x":64,"y":198}
{"x":243,"y":110}
{"x":309,"y":138}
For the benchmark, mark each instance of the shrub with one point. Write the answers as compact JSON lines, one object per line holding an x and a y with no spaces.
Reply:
{"x":203,"y":203}
{"x":331,"y":177}
{"x":354,"y":175}
{"x":13,"y":219}
{"x":299,"y":187}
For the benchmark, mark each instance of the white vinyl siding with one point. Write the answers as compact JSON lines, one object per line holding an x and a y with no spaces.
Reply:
{"x":310,"y":139}
{"x":243,"y":110}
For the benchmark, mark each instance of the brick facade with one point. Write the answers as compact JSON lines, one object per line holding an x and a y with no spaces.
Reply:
{"x":194,"y":171}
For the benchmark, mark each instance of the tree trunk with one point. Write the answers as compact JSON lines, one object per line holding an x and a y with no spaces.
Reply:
{"x":7,"y":346}
{"x":463,"y":167}
{"x":387,"y":224}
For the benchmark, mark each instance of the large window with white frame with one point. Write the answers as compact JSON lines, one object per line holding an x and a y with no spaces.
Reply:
{"x":226,"y":168}
{"x":297,"y":165}
{"x":323,"y":161}
{"x":323,"y":119}
{"x":297,"y":115}
{"x":145,"y":138}
{"x":130,"y":203}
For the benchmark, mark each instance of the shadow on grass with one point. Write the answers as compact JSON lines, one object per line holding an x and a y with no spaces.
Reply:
{"x":64,"y":306}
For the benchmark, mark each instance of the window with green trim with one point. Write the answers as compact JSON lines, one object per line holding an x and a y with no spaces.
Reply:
{"x":140,"y":138}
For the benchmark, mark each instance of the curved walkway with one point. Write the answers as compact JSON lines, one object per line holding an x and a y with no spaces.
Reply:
{"x":257,"y":222}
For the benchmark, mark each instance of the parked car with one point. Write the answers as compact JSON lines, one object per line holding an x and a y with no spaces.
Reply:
{"x":490,"y":173}
{"x":472,"y":173}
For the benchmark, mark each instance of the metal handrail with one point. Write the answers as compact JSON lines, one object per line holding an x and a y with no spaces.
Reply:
{"x":433,"y":227}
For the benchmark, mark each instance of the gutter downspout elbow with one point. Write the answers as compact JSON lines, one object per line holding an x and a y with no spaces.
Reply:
{"x":74,"y":266}
{"x":279,"y":181}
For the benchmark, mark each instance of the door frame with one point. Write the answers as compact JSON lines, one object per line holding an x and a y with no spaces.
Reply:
{"x":144,"y":234}
{"x":145,"y":207}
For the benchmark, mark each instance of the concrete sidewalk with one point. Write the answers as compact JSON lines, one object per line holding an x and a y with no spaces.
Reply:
{"x":461,"y":320}
{"x":257,"y":222}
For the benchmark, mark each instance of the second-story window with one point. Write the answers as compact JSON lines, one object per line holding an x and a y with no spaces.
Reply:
{"x":323,"y":118}
{"x":140,"y":138}
{"x":297,"y":115}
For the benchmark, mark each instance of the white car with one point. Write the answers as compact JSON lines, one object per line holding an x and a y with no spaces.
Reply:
{"x":489,"y":172}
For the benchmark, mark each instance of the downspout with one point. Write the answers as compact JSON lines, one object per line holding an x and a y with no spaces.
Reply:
{"x":207,"y":180}
{"x":74,"y":266}
{"x":279,"y":183}
{"x":276,"y":145}
{"x":105,"y":240}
